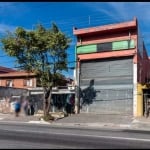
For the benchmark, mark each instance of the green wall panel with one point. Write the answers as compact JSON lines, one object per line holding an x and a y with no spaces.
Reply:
{"x":86,"y":49}
{"x":119,"y":45}
{"x":116,"y":45}
{"x":132,"y":44}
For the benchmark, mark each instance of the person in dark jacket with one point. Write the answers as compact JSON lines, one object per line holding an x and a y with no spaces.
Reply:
{"x":17,"y":108}
{"x":32,"y":109}
{"x":68,"y":105}
{"x":72,"y":102}
{"x":28,"y":109}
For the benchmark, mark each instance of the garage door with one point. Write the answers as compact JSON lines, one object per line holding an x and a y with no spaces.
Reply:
{"x":107,"y":86}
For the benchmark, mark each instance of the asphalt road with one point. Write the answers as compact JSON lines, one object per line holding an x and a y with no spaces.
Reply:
{"x":36,"y":136}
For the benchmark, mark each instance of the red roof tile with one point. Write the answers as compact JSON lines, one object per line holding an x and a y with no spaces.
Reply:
{"x":17,"y":74}
{"x":5,"y":69}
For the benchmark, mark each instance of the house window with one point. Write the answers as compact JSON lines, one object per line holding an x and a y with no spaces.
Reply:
{"x":28,"y":82}
{"x":9,"y":83}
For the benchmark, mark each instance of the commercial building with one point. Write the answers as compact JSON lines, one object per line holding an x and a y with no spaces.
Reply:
{"x":113,"y":69}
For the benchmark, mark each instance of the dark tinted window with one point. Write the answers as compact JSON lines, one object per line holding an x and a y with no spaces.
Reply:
{"x":104,"y":47}
{"x":116,"y":45}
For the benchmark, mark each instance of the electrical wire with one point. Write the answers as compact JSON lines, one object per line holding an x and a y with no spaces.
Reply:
{"x":98,"y":19}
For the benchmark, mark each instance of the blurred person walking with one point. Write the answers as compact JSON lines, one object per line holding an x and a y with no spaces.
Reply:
{"x":17,"y":108}
{"x":25,"y":105}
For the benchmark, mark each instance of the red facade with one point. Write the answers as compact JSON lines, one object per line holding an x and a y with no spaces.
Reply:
{"x":116,"y":32}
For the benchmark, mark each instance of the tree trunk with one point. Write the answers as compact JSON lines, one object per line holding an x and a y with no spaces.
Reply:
{"x":47,"y":100}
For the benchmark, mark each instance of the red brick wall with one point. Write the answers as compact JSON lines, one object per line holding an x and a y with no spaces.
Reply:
{"x":18,"y":83}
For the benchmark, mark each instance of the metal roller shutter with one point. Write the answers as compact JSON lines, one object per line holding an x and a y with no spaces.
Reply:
{"x":112,"y":89}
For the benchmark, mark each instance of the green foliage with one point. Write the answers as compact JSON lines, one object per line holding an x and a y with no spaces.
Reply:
{"x":42,"y":51}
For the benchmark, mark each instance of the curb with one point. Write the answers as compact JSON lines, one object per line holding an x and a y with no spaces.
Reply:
{"x":24,"y":122}
{"x":93,"y":125}
{"x":101,"y":126}
{"x":37,"y":122}
{"x":105,"y":126}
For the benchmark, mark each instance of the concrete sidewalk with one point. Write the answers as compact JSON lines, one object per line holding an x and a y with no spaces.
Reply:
{"x":87,"y":121}
{"x":21,"y":118}
{"x":105,"y":121}
{"x":95,"y":120}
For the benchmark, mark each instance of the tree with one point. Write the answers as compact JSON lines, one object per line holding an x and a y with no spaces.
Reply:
{"x":41,"y":51}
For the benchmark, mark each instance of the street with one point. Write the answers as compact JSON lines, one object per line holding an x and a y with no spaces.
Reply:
{"x":45,"y":136}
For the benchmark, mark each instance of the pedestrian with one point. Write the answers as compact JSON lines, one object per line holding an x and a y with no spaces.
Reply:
{"x":25,"y":104}
{"x":72,"y":102}
{"x":32,"y":108}
{"x":68,"y":105}
{"x":17,"y":108}
{"x":28,"y":109}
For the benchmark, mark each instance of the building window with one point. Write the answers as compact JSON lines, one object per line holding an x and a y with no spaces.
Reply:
{"x":116,"y":45}
{"x":108,"y":46}
{"x":28,"y":82}
{"x":104,"y":46}
{"x":9,"y":83}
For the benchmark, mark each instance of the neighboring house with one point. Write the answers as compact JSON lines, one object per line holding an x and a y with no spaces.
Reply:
{"x":18,"y":79}
{"x":20,"y":84}
{"x":23,"y":79}
{"x":113,"y":69}
{"x":69,"y":82}
{"x":6,"y":70}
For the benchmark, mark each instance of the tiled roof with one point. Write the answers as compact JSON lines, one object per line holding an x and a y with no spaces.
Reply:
{"x":6,"y":70}
{"x":17,"y":74}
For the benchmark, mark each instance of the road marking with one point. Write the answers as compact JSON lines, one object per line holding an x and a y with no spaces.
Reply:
{"x":43,"y":122}
{"x":110,"y":137}
{"x":1,"y":118}
{"x":84,"y":135}
{"x":23,"y":122}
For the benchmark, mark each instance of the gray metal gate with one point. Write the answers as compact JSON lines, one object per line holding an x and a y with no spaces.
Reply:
{"x":107,"y":86}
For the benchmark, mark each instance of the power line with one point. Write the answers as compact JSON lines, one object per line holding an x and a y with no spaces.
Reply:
{"x":86,"y":17}
{"x":86,"y":21}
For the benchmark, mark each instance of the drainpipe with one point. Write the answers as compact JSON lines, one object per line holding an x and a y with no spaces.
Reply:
{"x":78,"y":83}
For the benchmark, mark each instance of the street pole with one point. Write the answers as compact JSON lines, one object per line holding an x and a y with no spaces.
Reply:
{"x":77,"y":86}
